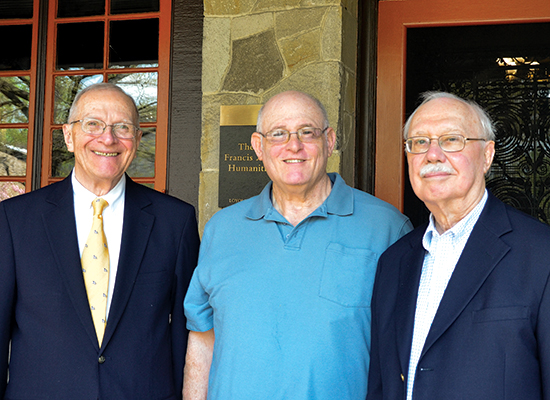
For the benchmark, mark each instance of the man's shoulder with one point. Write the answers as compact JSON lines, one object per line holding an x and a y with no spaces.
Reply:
{"x":157,"y":199}
{"x":35,"y":199}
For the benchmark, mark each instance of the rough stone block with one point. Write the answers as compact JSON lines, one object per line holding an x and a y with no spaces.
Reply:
{"x":256,"y":64}
{"x":227,"y":7}
{"x":249,"y":25}
{"x":215,"y":52}
{"x":301,"y":50}
{"x":292,"y":22}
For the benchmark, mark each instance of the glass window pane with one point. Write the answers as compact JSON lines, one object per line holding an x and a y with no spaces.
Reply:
{"x":66,"y":88}
{"x":13,"y":152}
{"x":62,"y":159}
{"x":14,"y":99}
{"x":10,"y":9}
{"x":134,"y":43}
{"x":134,"y":6}
{"x":143,"y":89}
{"x":11,"y":189}
{"x":16,"y":51}
{"x":80,"y":45}
{"x":80,"y":8}
{"x":144,"y":164}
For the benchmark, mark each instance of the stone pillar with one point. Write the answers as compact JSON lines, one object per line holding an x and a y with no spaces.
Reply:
{"x":254,"y":49}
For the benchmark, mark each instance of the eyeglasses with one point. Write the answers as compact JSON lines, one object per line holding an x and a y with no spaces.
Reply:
{"x":96,"y":127}
{"x":448,"y":143}
{"x":305,"y":135}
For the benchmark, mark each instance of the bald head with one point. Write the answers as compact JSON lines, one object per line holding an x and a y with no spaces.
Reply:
{"x":103,"y":86}
{"x":311,"y":103}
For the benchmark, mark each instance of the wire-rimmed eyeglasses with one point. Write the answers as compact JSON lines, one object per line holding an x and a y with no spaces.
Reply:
{"x":96,"y":127}
{"x":305,"y":135}
{"x":448,"y":143}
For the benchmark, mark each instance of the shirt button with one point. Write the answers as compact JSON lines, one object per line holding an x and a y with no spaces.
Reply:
{"x":101,"y":359}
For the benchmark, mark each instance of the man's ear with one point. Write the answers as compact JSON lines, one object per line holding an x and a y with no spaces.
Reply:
{"x":256,"y":140}
{"x":331,"y":140}
{"x":68,"y":136}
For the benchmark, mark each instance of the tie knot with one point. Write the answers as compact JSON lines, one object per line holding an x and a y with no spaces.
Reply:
{"x":99,"y":205}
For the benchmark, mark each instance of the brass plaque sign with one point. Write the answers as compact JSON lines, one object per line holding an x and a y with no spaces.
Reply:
{"x":242,"y":174}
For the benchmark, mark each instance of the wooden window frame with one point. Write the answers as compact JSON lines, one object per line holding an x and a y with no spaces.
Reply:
{"x":27,"y":180}
{"x":163,"y":70}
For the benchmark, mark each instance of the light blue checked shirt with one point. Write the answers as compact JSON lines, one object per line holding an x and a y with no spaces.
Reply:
{"x":442,"y":251}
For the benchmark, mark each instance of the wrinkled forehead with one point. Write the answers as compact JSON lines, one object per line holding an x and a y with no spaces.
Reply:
{"x":444,"y":115}
{"x":100,"y":98}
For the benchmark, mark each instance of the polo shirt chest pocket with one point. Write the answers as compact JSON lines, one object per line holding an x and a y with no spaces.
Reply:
{"x":347,"y":277}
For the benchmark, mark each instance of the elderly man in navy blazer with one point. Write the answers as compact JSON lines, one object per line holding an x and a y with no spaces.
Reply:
{"x":61,"y":348}
{"x":461,"y":306}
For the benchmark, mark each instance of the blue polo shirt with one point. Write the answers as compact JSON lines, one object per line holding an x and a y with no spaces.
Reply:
{"x":290,"y":306}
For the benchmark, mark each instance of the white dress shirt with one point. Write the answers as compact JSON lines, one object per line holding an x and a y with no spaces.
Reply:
{"x":113,"y":218}
{"x":442,"y":254}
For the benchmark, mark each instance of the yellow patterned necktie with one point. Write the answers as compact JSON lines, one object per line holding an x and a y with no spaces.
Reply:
{"x":95,"y":268}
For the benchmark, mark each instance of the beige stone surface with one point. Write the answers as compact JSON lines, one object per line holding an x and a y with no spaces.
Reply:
{"x":248,"y":25}
{"x":299,"y":20}
{"x":273,"y":5}
{"x":208,"y":197}
{"x":309,"y":3}
{"x":215,"y":52}
{"x":227,"y":7}
{"x":331,"y":41}
{"x":301,"y":50}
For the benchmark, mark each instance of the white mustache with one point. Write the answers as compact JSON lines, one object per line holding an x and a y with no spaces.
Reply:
{"x":434,"y":168}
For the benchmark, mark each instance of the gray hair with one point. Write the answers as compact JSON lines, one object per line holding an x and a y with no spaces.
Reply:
{"x":317,"y":103}
{"x":488,"y":129}
{"x":101,"y":86}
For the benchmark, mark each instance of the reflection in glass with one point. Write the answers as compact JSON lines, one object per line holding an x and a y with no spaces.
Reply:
{"x":14,"y":99}
{"x":11,"y":189}
{"x":13,"y":152}
{"x":134,"y":6}
{"x":133,"y":43}
{"x":80,"y":45}
{"x":16,"y":47}
{"x":80,"y":8}
{"x":66,"y":88}
{"x":143,"y":165}
{"x":62,"y":159}
{"x":10,"y":9}
{"x":143,"y":89}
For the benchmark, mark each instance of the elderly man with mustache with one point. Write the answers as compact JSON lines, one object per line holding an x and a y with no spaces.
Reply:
{"x":460,"y":306}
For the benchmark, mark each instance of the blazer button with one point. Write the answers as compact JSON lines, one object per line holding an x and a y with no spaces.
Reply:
{"x":101,"y":359}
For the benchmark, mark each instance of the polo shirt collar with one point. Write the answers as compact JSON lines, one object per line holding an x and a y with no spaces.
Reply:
{"x":339,"y":202}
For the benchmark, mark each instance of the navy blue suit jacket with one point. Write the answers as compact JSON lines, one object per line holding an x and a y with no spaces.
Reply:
{"x":44,"y":309}
{"x":490,"y":338}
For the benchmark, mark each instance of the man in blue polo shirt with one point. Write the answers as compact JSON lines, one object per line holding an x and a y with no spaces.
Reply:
{"x":279,"y":305}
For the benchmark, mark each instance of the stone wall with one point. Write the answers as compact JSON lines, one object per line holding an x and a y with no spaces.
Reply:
{"x":253,"y":49}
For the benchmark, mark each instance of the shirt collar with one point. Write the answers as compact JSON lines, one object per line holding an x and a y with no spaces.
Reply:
{"x":339,"y":202}
{"x":463,"y":228}
{"x":84,"y":196}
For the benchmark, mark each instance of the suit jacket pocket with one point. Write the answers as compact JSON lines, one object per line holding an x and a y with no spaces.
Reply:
{"x":501,"y":314}
{"x":348,"y":275}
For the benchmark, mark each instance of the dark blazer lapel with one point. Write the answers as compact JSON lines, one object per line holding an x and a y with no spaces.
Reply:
{"x":60,"y":227}
{"x":409,"y":278}
{"x":482,"y":253}
{"x":135,"y":235}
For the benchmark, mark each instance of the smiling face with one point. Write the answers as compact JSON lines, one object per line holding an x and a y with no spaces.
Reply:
{"x":100,"y":161}
{"x":449,"y":181}
{"x":294,"y":165}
